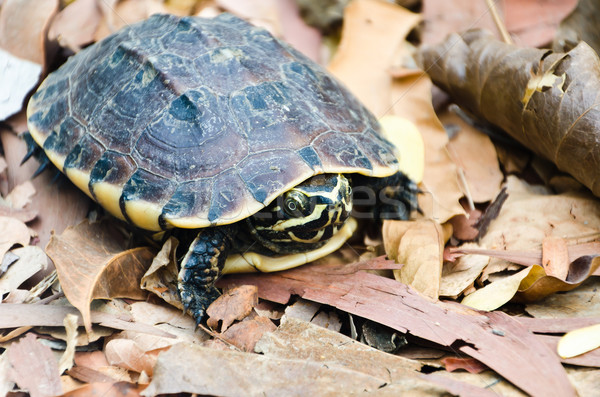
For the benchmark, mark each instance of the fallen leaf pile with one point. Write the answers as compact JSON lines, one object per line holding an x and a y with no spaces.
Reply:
{"x":492,"y":290}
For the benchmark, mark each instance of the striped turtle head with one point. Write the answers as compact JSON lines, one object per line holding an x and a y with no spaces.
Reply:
{"x":305,"y":217}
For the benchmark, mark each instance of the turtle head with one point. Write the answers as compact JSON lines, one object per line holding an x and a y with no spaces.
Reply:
{"x":305,"y":217}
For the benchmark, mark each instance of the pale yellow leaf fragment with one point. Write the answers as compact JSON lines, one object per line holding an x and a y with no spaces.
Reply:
{"x":66,"y":360}
{"x":579,"y":341}
{"x":405,"y":135}
{"x":496,"y":294}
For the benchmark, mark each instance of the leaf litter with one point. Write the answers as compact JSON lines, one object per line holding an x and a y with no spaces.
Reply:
{"x":531,"y":255}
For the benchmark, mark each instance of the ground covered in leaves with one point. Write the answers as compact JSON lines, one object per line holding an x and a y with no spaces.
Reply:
{"x":493,"y":290}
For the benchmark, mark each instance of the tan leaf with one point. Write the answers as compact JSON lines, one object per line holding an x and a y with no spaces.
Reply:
{"x":17,"y":78}
{"x":27,"y":357}
{"x":474,"y":153}
{"x":92,"y":263}
{"x":21,"y":195}
{"x":76,"y":24}
{"x":372,"y":32}
{"x":12,"y":232}
{"x":579,"y":341}
{"x":555,"y":257}
{"x":30,"y":261}
{"x":125,"y":12}
{"x":234,"y":304}
{"x":23,"y":26}
{"x":544,"y":100}
{"x":420,"y":251}
{"x":161,"y":277}
{"x":125,"y":353}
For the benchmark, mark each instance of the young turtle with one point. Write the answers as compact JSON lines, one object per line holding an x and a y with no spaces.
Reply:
{"x":215,"y":125}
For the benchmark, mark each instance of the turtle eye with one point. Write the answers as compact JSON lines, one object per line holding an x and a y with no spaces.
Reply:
{"x":296,"y":204}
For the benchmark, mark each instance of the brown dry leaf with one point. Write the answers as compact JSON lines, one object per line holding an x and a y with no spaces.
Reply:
{"x":464,"y":228}
{"x":234,"y":304}
{"x":474,"y":153}
{"x":23,"y":27}
{"x":469,"y":364}
{"x":27,"y":357}
{"x":297,"y":32}
{"x":263,"y":13}
{"x":583,"y":302}
{"x":161,"y":277}
{"x":372,"y":32}
{"x":460,"y":275}
{"x":443,"y":17}
{"x":581,"y":25}
{"x":512,"y":351}
{"x":125,"y":12}
{"x":411,"y":96}
{"x":295,"y":352}
{"x":531,"y":213}
{"x":547,"y":101}
{"x":76,"y":24}
{"x":533,"y":23}
{"x":12,"y":232}
{"x":106,"y":389}
{"x":30,"y":260}
{"x":245,"y":334}
{"x":92,"y":263}
{"x":21,"y":195}
{"x":555,"y":257}
{"x":125,"y":353}
{"x":420,"y":251}
{"x":531,"y":284}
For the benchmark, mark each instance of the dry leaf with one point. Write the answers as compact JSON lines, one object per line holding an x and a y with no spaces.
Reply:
{"x":579,"y":341}
{"x":125,"y":353}
{"x":92,"y":263}
{"x":76,"y":24}
{"x":12,"y":232}
{"x":23,"y":27}
{"x":30,"y":261}
{"x":126,"y":12}
{"x":21,"y":195}
{"x":234,"y":304}
{"x":245,"y":334}
{"x":469,"y":364}
{"x":511,"y":350}
{"x":420,"y":251}
{"x":581,"y":25}
{"x":161,"y":277}
{"x":547,"y":101}
{"x":473,"y":152}
{"x":372,"y":32}
{"x":27,"y":357}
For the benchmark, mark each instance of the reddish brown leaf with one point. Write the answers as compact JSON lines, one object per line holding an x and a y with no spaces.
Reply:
{"x":27,"y":357}
{"x":234,"y":304}
{"x":511,"y":350}
{"x":245,"y":334}
{"x":76,"y":24}
{"x":116,"y":389}
{"x":469,"y":364}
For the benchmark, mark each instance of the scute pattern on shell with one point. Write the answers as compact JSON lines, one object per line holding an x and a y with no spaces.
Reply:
{"x":204,"y":119}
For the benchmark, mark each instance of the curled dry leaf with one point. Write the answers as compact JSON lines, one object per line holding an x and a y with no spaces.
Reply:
{"x":30,"y":261}
{"x":92,"y":262}
{"x":161,"y":277}
{"x":420,"y":250}
{"x":581,"y":25}
{"x":245,"y":334}
{"x":545,"y":100}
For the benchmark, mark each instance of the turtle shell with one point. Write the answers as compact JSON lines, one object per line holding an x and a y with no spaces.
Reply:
{"x":192,"y":122}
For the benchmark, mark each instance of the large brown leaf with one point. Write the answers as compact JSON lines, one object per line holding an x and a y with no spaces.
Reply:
{"x":547,"y":101}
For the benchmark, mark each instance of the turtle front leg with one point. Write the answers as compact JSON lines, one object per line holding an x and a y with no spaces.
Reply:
{"x":393,"y":197}
{"x":202,"y":266}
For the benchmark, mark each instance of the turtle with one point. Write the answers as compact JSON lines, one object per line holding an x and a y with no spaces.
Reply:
{"x":214,"y":128}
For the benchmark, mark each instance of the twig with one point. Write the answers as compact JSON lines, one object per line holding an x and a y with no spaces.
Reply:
{"x":498,"y":21}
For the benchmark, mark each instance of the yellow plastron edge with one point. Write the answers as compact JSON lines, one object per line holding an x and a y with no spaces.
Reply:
{"x":405,"y":135}
{"x":252,"y":262}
